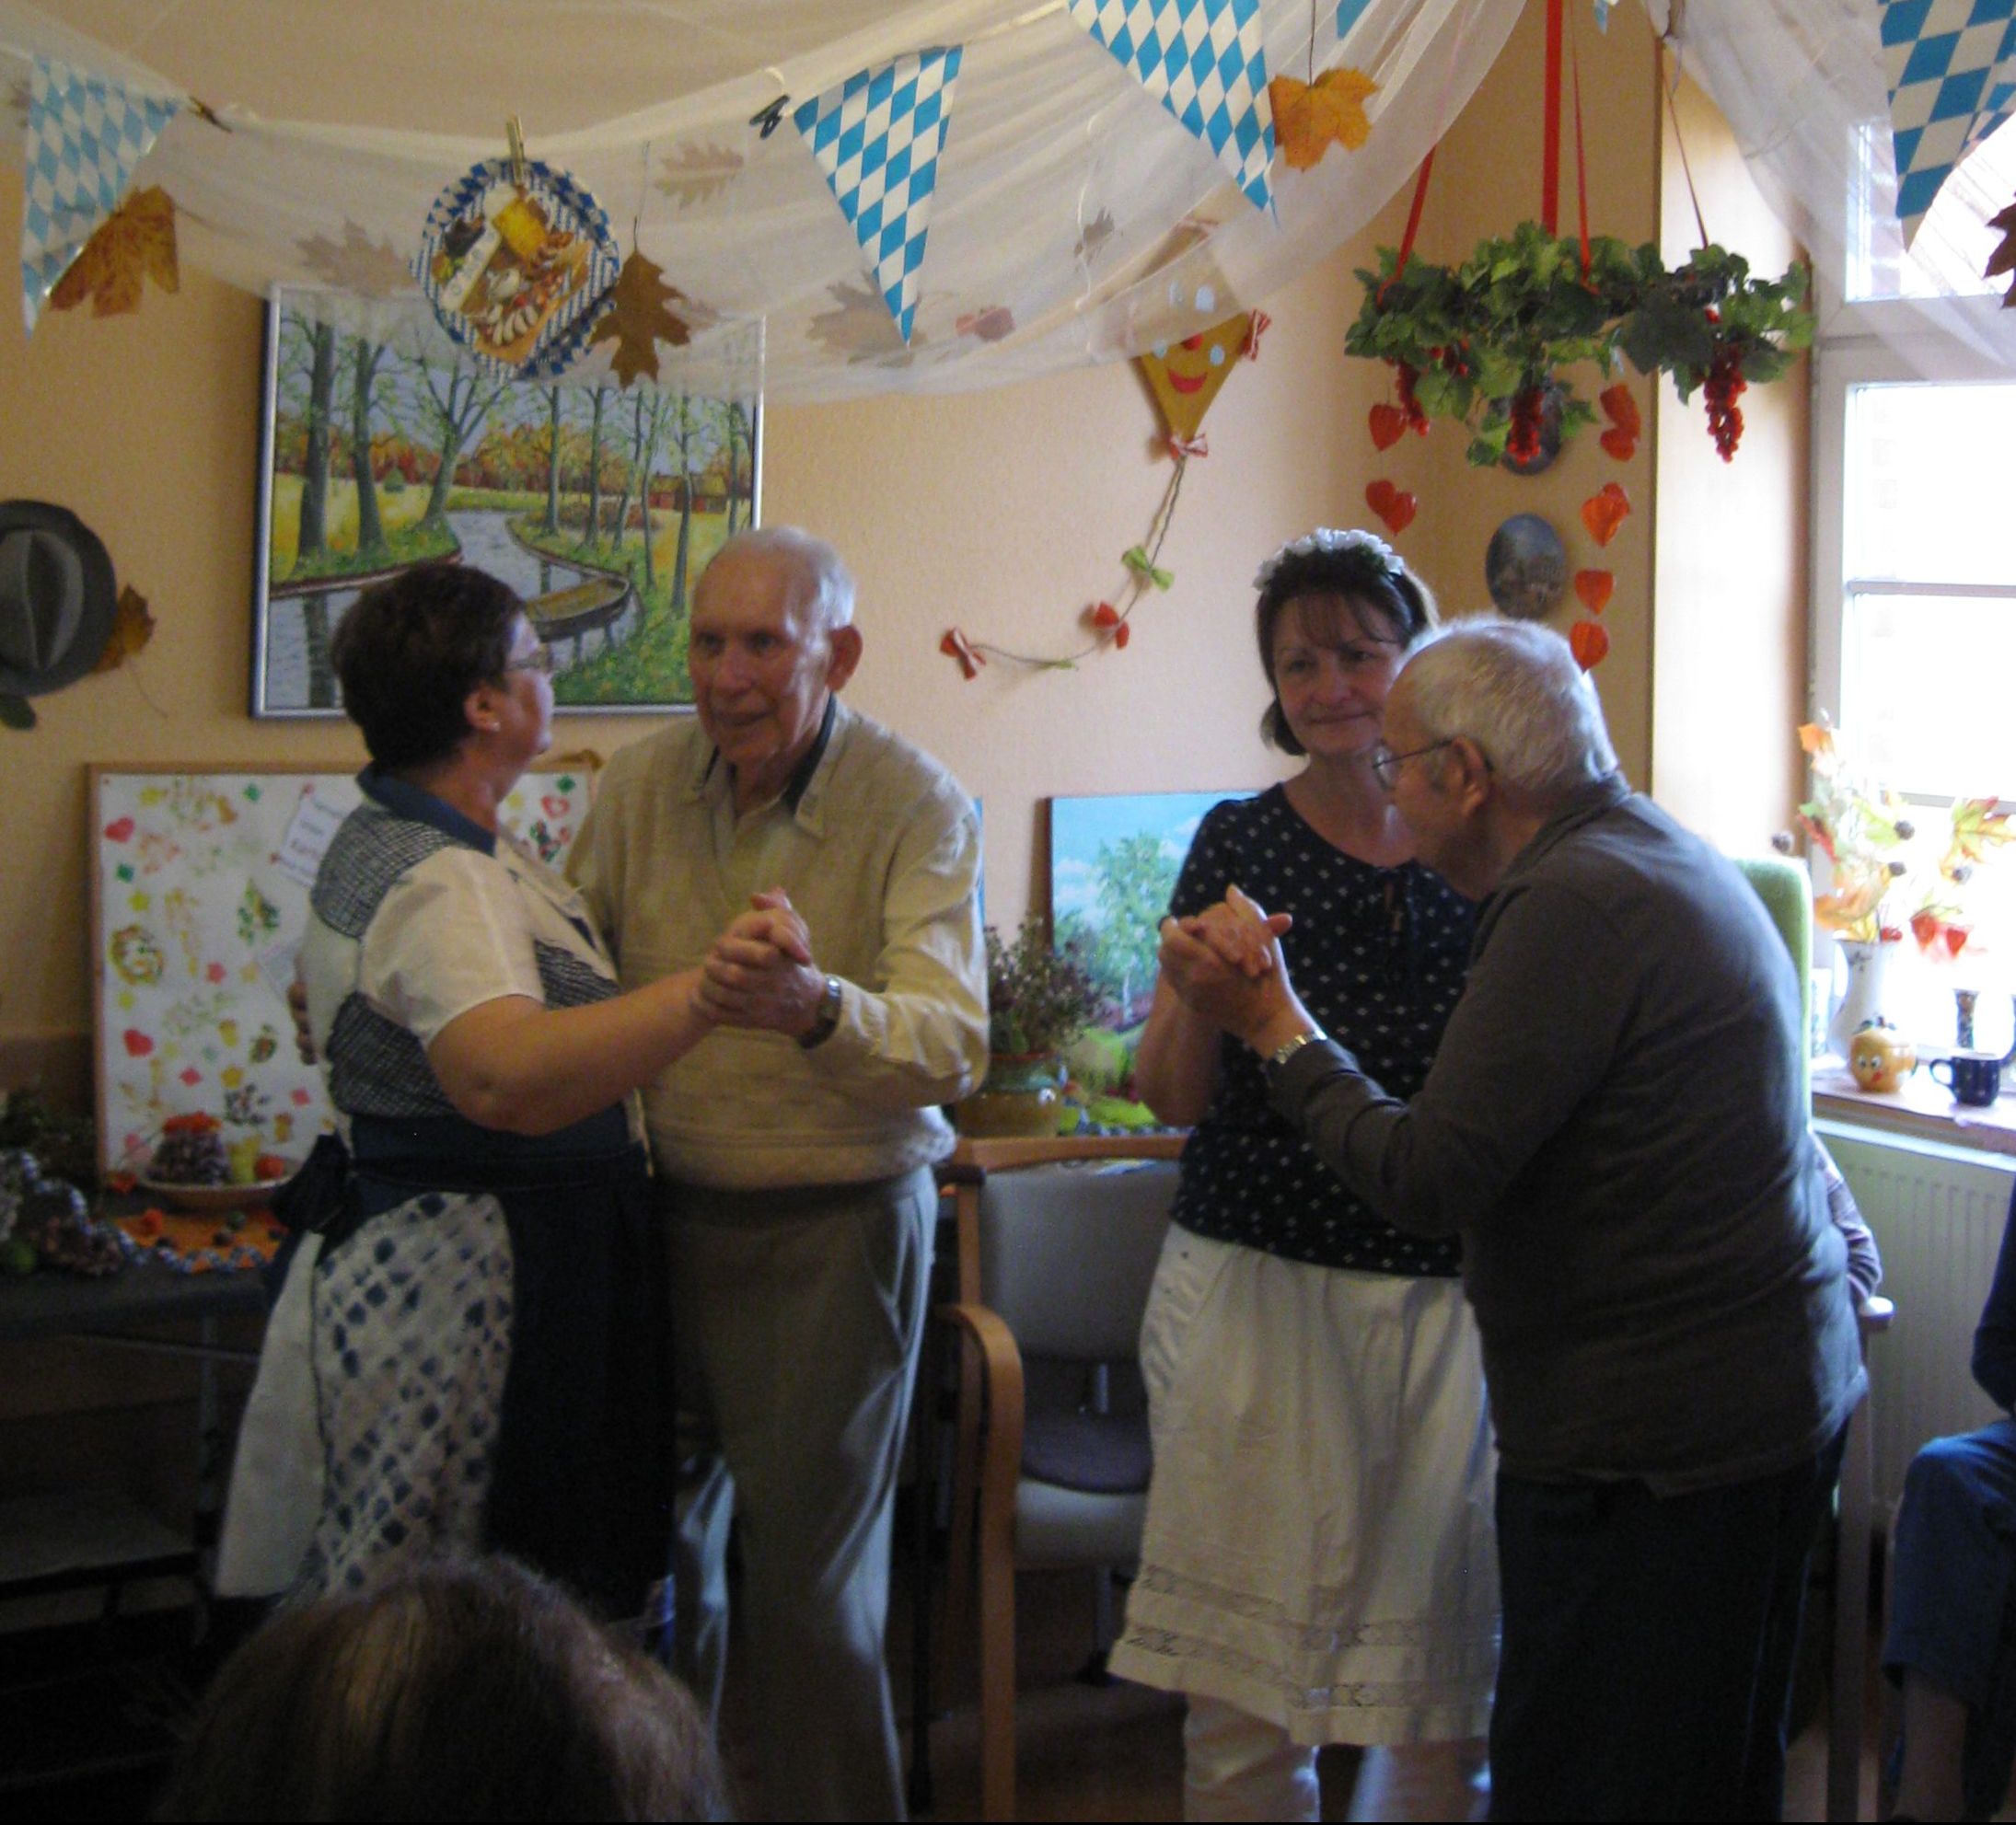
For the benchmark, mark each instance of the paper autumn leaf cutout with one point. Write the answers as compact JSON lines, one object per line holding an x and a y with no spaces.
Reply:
{"x":2003,"y":259}
{"x":358,"y":264}
{"x":1310,"y":117}
{"x":136,"y":241}
{"x":699,"y":173}
{"x":1098,"y":232}
{"x":637,"y":319}
{"x":133,"y":627}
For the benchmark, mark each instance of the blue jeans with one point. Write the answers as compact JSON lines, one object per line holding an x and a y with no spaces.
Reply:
{"x":1647,"y":1658}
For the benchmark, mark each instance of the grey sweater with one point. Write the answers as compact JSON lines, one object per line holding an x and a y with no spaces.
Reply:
{"x":1615,"y":1125}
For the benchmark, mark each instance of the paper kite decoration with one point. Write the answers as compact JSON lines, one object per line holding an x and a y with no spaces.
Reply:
{"x":517,"y":271}
{"x":1206,"y":62}
{"x":1950,"y":66}
{"x":877,"y":137}
{"x":84,"y":136}
{"x":1186,"y":377}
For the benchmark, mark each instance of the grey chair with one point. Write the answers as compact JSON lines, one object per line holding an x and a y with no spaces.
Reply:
{"x":1057,"y":1458}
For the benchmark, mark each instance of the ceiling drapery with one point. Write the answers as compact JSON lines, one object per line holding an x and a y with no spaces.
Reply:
{"x":1075,"y":219}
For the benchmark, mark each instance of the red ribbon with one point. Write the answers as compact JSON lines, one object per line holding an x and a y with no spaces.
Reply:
{"x":956,"y":645}
{"x":1550,"y":150}
{"x":1413,"y":224}
{"x":1581,"y":164}
{"x":1196,"y":446}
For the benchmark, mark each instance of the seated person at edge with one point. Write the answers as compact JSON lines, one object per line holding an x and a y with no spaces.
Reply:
{"x":1319,"y":1519}
{"x":1616,"y":1127}
{"x":457,"y":1689}
{"x":1952,"y":1632}
{"x":475,"y":1341}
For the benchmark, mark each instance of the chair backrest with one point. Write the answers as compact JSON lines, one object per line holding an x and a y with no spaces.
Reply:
{"x":1068,"y":1253}
{"x":1786,"y":890}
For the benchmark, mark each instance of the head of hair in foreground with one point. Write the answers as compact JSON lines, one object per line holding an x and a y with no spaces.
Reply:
{"x":412,"y":649}
{"x":1514,"y":688}
{"x":460,"y":1690}
{"x":826,"y":587}
{"x":1349,"y":584}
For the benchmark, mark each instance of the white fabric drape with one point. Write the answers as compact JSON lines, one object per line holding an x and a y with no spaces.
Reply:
{"x":1074,"y":220}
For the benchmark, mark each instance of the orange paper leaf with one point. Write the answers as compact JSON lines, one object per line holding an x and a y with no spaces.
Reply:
{"x":638,"y":321}
{"x":1605,"y":511}
{"x":133,"y":627}
{"x":1394,"y":505}
{"x":1310,"y":117}
{"x":1590,"y":642}
{"x":1594,"y":587}
{"x":135,"y":241}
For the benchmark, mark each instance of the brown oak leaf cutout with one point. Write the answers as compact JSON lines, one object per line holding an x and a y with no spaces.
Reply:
{"x":133,"y":627}
{"x":1098,"y":232}
{"x":699,"y":173}
{"x":368,"y":268}
{"x":861,"y":328}
{"x":136,"y":241}
{"x":1309,"y":118}
{"x":2003,"y":259}
{"x":637,"y":321}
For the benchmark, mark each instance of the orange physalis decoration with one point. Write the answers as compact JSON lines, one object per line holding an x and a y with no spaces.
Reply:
{"x":1394,"y":505}
{"x":136,"y":241}
{"x":1594,"y":588}
{"x":1122,"y":634}
{"x":1308,"y":116}
{"x":1605,"y":511}
{"x":1590,"y":642}
{"x":1388,"y":426}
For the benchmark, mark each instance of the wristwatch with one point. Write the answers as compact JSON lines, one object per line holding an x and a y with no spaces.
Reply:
{"x":1284,"y":1052}
{"x":827,"y":1017}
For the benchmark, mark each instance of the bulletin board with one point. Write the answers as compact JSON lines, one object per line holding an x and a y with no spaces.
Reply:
{"x":199,"y":902}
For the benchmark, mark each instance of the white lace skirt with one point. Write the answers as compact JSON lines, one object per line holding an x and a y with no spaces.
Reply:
{"x":1318,"y":1548}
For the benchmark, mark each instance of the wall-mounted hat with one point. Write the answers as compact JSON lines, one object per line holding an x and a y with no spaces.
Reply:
{"x":57,"y":598}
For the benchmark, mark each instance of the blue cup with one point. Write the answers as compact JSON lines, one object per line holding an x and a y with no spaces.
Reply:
{"x":1975,"y":1077}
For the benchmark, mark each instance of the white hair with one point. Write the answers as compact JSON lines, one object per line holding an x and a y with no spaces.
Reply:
{"x":828,"y":585}
{"x":1514,"y":688}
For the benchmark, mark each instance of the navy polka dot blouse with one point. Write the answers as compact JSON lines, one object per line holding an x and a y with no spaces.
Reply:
{"x":1377,"y":955}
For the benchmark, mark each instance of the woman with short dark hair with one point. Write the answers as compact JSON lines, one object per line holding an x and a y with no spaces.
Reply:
{"x":472,"y":1350}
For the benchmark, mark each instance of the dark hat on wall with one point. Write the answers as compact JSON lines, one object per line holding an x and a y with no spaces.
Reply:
{"x":57,"y":598}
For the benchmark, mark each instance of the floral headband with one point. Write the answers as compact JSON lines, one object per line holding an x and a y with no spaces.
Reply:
{"x":1329,"y":541}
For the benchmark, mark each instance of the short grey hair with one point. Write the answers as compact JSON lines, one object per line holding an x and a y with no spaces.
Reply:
{"x":1514,"y":688}
{"x":830,"y":586}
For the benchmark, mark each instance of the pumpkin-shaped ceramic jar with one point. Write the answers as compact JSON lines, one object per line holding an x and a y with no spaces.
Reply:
{"x":1879,"y":1058}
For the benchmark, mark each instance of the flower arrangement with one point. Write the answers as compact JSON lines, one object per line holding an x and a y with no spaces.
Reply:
{"x":1884,"y":878}
{"x":1484,"y":342}
{"x":1038,"y":999}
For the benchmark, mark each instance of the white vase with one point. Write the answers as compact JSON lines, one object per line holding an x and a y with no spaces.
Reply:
{"x":1868,"y":964}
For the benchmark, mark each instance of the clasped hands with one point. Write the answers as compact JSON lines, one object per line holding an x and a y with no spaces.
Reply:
{"x":760,"y":973}
{"x":1225,"y":964}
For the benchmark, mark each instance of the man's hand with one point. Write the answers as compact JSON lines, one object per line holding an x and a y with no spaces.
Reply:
{"x":1227,"y":966}
{"x":1243,"y":935}
{"x":761,"y":972}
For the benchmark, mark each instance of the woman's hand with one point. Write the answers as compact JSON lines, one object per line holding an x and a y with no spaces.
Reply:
{"x":1227,"y":966}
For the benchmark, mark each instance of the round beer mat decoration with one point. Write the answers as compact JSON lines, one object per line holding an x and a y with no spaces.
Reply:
{"x":519,"y":268}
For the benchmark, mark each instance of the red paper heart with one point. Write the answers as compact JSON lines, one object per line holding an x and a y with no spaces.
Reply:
{"x":1388,"y":426}
{"x":1594,"y":587}
{"x":553,"y":806}
{"x":137,"y":1043}
{"x":1394,"y":505}
{"x":1590,"y":641}
{"x":119,"y":830}
{"x":1619,"y":443}
{"x":1605,"y":511}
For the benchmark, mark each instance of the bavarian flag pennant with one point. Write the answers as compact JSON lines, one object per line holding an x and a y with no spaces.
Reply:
{"x":84,"y":136}
{"x":1950,"y":69}
{"x":1204,"y":61}
{"x":877,"y":138}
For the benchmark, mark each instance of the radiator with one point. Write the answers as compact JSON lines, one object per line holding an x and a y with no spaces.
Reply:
{"x":1938,"y":1214}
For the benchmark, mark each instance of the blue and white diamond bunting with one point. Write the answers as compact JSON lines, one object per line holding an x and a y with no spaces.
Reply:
{"x":1204,"y":61}
{"x":877,"y":138}
{"x":84,"y":135}
{"x":1950,"y":68}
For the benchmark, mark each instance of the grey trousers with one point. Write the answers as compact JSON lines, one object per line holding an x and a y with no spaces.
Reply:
{"x":797,"y":1322}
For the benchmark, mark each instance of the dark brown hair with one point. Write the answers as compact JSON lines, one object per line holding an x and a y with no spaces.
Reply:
{"x":1373,"y":581}
{"x":461,"y":1690}
{"x":412,"y":649}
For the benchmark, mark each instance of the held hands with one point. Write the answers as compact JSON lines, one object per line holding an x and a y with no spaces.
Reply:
{"x":760,"y":973}
{"x":1226,"y":965}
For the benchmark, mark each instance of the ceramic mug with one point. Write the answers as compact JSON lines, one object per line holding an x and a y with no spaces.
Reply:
{"x":1975,"y":1077}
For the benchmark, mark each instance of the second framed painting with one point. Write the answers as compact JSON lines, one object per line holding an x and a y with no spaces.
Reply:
{"x":600,"y":506}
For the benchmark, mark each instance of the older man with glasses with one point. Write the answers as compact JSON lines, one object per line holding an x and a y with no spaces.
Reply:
{"x":1617,"y":1126}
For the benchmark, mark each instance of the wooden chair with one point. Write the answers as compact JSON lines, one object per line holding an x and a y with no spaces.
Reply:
{"x":1056,"y":1265}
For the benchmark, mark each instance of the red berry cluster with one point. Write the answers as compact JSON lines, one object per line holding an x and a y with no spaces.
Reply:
{"x":1404,"y":376}
{"x":1723,"y":387}
{"x":1522,"y":443}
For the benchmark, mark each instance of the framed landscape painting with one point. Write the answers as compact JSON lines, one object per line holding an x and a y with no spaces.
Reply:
{"x":601,"y":506}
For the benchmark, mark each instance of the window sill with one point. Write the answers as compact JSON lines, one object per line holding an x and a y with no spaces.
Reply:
{"x":1919,"y":1107}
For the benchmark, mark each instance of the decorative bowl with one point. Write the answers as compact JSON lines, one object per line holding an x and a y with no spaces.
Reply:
{"x":180,"y":1195}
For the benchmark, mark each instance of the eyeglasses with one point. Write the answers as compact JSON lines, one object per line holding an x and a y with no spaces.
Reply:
{"x":540,"y":659}
{"x":1385,"y":764}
